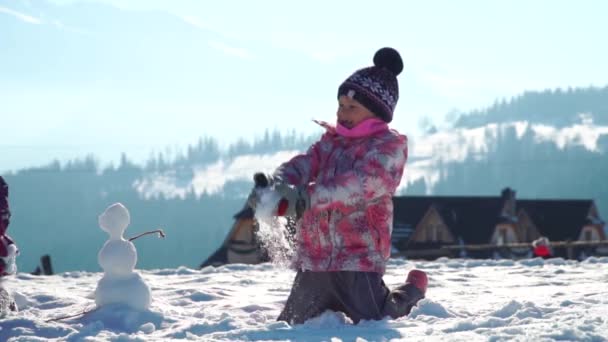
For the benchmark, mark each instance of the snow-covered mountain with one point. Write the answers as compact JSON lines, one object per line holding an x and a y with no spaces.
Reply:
{"x":97,"y":73}
{"x":86,"y":42}
{"x":425,"y":155}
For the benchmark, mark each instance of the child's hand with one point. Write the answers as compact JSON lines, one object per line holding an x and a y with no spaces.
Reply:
{"x":261,"y":180}
{"x":294,"y":201}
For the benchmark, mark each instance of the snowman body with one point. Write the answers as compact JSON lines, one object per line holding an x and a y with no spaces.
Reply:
{"x":118,"y":257}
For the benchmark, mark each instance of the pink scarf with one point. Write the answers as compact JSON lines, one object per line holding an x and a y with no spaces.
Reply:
{"x":363,"y":129}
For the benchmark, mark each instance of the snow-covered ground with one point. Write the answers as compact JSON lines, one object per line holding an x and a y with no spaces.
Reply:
{"x":472,"y":300}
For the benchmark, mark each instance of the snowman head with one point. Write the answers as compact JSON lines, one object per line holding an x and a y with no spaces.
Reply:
{"x":114,"y":220}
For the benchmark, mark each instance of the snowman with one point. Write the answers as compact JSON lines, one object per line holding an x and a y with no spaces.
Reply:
{"x":118,"y":256}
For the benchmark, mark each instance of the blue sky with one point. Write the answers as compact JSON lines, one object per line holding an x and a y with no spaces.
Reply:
{"x":108,"y":76}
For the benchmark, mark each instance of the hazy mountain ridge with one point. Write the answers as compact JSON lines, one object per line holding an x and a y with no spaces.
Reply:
{"x":426,"y":155}
{"x":555,"y":107}
{"x":101,"y":46}
{"x":95,"y":43}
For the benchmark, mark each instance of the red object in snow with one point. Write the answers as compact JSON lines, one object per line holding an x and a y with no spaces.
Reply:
{"x":542,"y":251}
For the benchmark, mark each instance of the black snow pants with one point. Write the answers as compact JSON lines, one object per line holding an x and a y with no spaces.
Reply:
{"x":360,"y":295}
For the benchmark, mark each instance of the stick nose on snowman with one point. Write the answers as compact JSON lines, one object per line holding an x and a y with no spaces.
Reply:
{"x":161,"y":234}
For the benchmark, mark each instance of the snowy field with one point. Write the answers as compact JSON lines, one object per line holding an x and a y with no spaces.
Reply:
{"x":472,"y":300}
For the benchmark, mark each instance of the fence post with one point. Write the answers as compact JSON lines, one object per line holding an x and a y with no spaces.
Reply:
{"x":47,"y":268}
{"x":569,"y":249}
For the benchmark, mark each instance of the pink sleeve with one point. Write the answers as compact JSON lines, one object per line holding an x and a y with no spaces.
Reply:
{"x":301,"y":169}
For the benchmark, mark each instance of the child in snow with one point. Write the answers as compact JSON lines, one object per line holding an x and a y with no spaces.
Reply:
{"x":8,"y":249}
{"x":341,"y":192}
{"x":7,"y":246}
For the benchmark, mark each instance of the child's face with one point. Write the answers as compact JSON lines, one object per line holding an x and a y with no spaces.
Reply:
{"x":351,"y":112}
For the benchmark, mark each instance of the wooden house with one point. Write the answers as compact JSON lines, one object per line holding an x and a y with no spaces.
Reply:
{"x":423,"y":224}
{"x":436,"y":221}
{"x":565,"y":220}
{"x":241,"y":245}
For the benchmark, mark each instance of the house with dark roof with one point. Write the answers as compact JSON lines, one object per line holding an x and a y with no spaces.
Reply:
{"x":241,"y":245}
{"x":565,"y":220}
{"x":449,"y":220}
{"x":423,"y":224}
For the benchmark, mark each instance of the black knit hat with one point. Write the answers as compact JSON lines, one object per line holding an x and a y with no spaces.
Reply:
{"x":376,"y":87}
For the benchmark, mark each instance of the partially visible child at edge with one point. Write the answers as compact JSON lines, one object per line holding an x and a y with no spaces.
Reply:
{"x":8,"y":249}
{"x":341,"y":192}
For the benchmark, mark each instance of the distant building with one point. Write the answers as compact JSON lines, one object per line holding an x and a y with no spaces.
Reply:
{"x":563,"y":220}
{"x":423,"y":224}
{"x":241,"y":245}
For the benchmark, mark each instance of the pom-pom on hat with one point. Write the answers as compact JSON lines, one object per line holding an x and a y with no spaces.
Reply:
{"x":376,"y":87}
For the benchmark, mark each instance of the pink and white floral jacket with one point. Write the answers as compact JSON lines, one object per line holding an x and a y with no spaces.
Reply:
{"x":351,"y":182}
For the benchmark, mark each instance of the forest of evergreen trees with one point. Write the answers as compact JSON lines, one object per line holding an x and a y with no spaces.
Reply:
{"x":534,"y":169}
{"x":558,"y":108}
{"x":55,"y":207}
